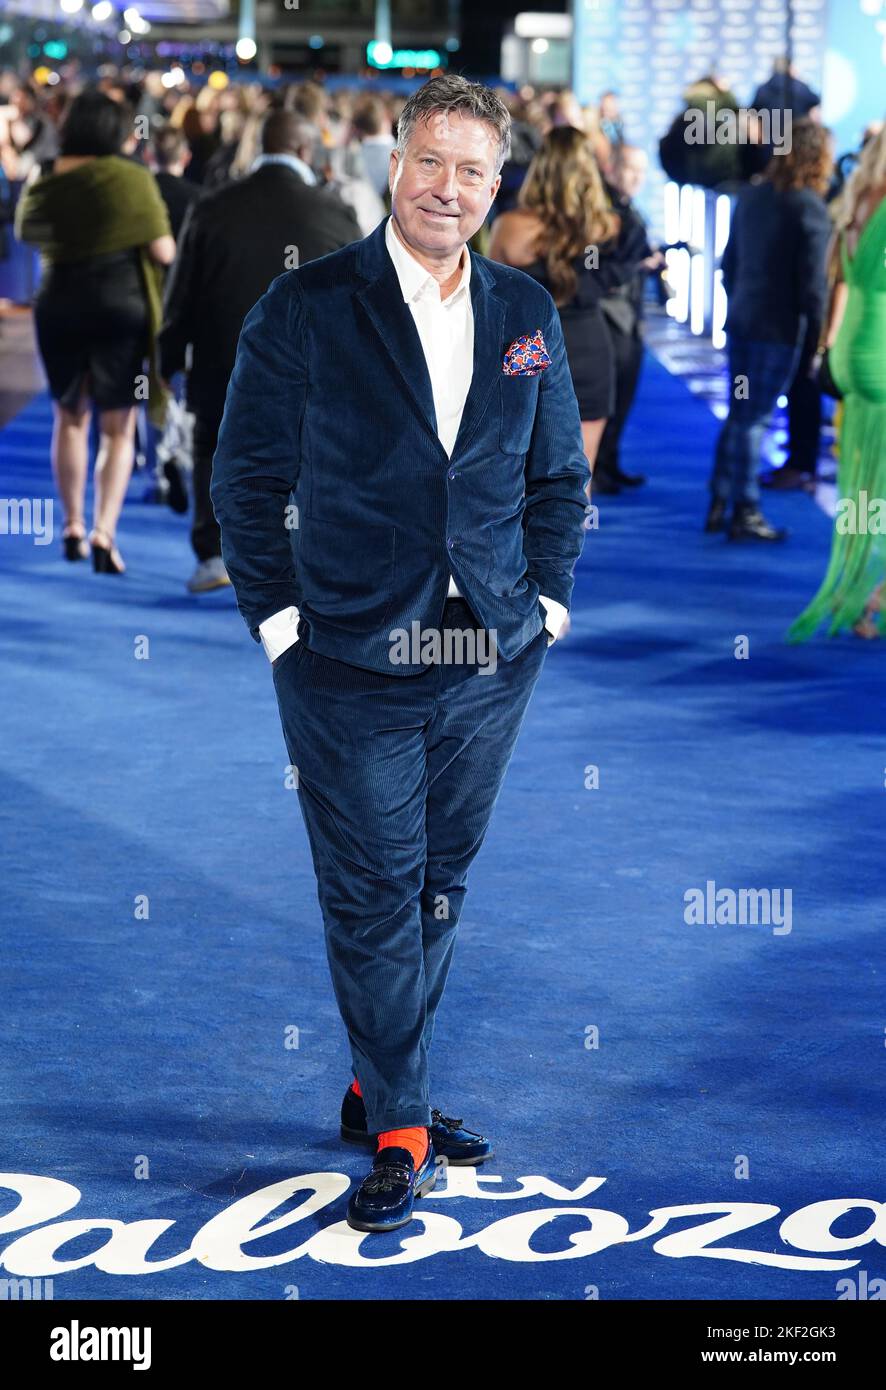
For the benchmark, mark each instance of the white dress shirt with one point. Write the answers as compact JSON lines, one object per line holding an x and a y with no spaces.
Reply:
{"x":446,"y":332}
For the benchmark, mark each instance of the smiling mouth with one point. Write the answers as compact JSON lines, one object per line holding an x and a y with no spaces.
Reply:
{"x":430,"y":212}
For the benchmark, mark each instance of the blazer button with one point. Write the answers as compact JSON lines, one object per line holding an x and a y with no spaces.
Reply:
{"x":452,"y":472}
{"x":451,"y":543}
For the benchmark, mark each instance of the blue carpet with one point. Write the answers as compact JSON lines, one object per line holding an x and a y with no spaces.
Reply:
{"x":162,"y":940}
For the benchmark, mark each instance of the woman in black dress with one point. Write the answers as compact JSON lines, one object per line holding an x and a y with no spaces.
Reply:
{"x":565,"y":234}
{"x":104,"y":233}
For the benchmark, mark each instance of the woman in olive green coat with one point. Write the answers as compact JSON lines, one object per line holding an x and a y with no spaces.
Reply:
{"x":103,"y":232}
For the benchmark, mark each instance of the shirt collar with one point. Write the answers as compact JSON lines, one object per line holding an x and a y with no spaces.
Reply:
{"x":291,"y":161}
{"x":415,"y":281}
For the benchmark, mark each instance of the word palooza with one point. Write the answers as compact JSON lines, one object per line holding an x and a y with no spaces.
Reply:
{"x":218,"y":1245}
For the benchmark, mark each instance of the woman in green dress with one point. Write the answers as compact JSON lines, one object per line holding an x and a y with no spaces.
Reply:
{"x":852,"y":592}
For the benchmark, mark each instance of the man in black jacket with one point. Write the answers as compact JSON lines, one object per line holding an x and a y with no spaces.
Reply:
{"x":774,"y":277}
{"x":234,"y":242}
{"x":169,"y":158}
{"x":785,"y":92}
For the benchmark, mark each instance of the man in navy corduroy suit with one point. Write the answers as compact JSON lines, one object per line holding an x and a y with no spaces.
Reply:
{"x":399,"y":482}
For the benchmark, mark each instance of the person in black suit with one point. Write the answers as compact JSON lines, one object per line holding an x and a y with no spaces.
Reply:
{"x":169,"y":157}
{"x":784,"y":91}
{"x":234,"y":242}
{"x":774,"y":277}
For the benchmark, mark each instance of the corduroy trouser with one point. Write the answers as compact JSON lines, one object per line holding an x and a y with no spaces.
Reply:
{"x":397,"y":780}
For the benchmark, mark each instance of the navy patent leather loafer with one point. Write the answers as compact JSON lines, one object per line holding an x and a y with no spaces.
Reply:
{"x":461,"y":1147}
{"x":385,"y":1197}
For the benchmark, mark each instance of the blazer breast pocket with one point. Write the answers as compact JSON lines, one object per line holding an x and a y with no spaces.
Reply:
{"x":519,"y":398}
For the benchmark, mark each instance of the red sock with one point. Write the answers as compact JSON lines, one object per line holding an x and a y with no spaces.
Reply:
{"x":415,"y":1140}
{"x":355,"y":1087}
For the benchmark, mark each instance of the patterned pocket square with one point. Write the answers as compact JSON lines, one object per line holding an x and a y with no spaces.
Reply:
{"x":527,"y":356}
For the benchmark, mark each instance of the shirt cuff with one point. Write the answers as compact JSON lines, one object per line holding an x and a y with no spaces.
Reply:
{"x":555,"y":615}
{"x":278,"y":632}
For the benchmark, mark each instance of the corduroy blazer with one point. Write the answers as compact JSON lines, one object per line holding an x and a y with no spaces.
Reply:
{"x":334,"y":493}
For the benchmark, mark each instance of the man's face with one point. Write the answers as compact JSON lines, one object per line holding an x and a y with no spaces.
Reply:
{"x":630,"y":172}
{"x":443,"y":184}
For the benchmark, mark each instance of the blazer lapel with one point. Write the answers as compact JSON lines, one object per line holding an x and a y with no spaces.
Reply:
{"x":489,"y":322}
{"x":392,"y":319}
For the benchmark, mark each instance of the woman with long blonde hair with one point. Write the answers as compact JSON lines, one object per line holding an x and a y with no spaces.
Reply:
{"x":565,"y":234}
{"x":854,"y":341}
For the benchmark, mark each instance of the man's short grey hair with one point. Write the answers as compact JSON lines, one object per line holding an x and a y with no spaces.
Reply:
{"x":450,"y":92}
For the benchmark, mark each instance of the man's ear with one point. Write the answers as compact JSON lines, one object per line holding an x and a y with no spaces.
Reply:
{"x":392,"y":169}
{"x":496,"y":185}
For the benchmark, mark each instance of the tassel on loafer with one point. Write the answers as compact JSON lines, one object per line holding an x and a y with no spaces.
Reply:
{"x":385,"y":1198}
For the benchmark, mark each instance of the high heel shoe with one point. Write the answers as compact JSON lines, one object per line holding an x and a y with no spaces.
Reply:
{"x":106,"y":559}
{"x":868,"y":625}
{"x":74,"y":543}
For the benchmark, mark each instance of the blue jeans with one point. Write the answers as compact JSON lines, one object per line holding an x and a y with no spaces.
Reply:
{"x":767,"y":370}
{"x":397,"y":779}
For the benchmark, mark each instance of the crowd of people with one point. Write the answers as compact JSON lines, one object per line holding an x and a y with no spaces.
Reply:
{"x":163,"y":215}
